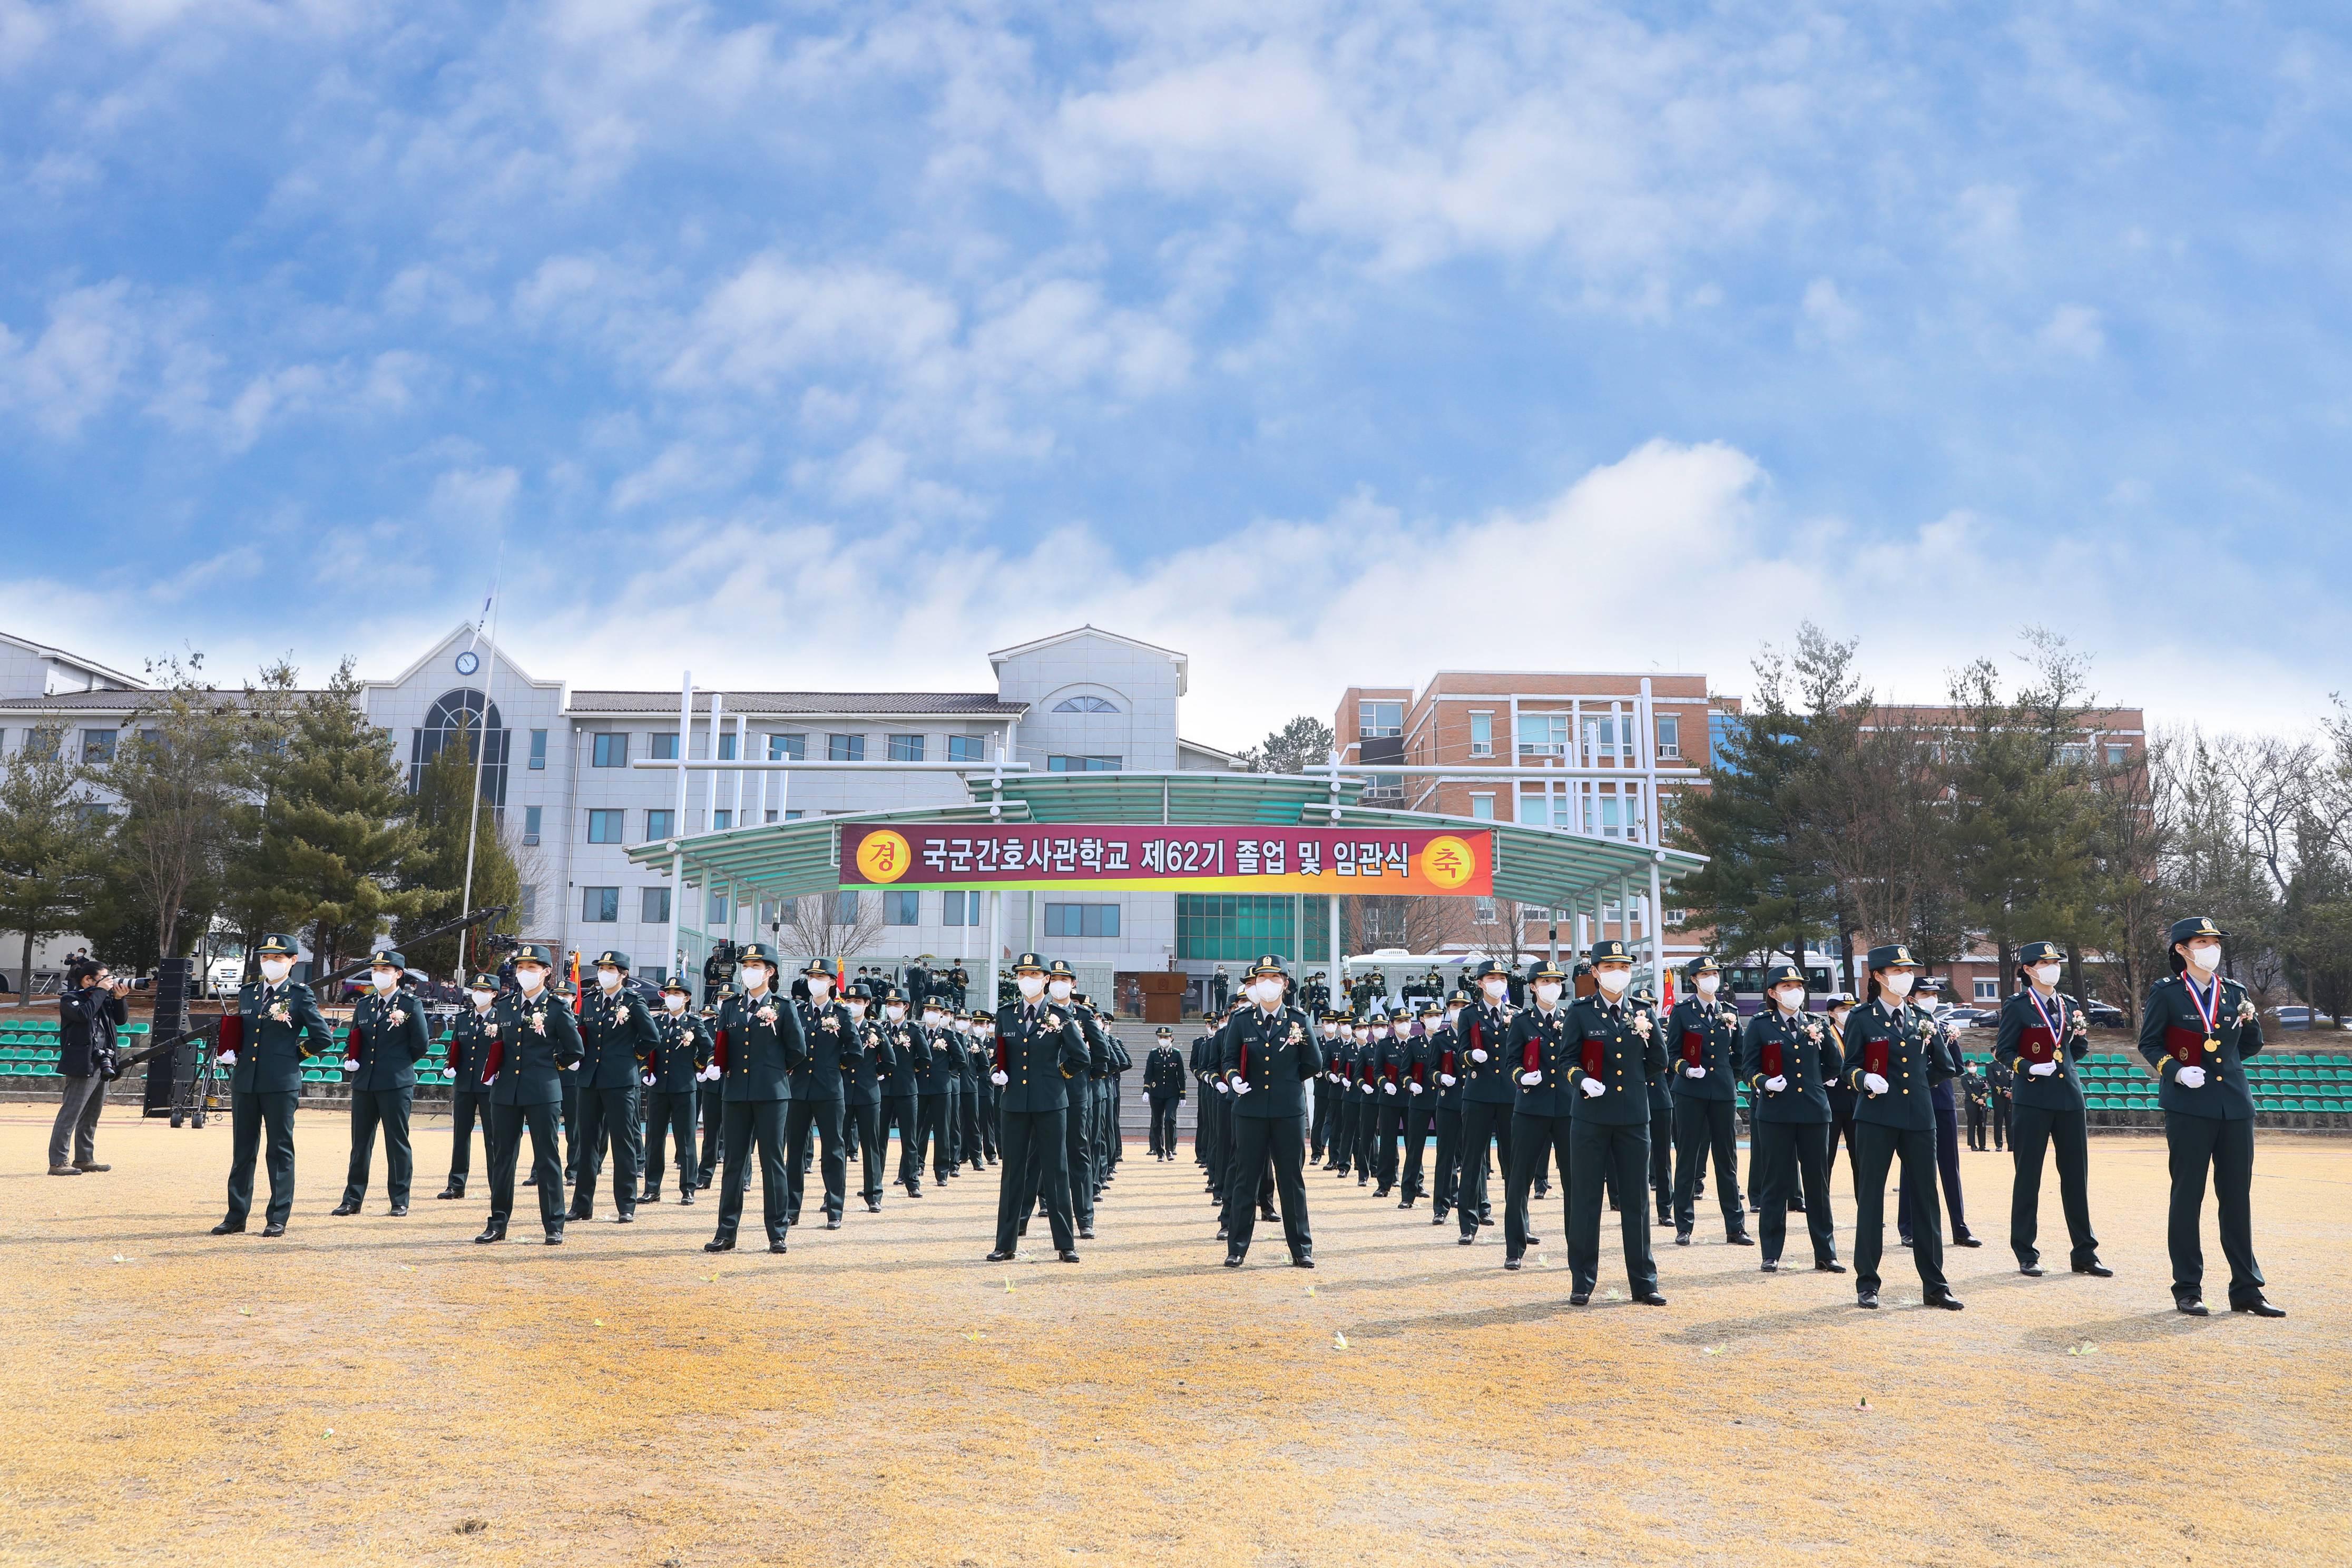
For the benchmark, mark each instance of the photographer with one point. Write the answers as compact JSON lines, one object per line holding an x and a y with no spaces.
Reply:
{"x":87,"y":1011}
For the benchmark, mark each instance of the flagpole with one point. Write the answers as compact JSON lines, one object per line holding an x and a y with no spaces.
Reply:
{"x":481,"y":761}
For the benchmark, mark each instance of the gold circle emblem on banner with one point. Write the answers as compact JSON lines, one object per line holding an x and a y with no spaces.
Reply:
{"x":883,"y":857}
{"x":1447,"y":861}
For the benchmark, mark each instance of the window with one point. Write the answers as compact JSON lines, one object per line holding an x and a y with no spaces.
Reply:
{"x":844,"y":748}
{"x":600,"y":906}
{"x":1086,"y":705}
{"x":90,"y":814}
{"x":605,"y":826}
{"x":721,"y":820}
{"x":962,"y":909}
{"x":1601,"y":738}
{"x":1482,"y":910}
{"x":844,"y":907}
{"x":43,"y":743}
{"x":1543,"y":734}
{"x":906,"y":748}
{"x":660,"y":824}
{"x":1378,"y":720}
{"x":653,"y":906}
{"x":531,"y":815}
{"x":902,"y":909}
{"x":1482,"y":734}
{"x":2118,"y":755}
{"x":1482,"y":807}
{"x":1669,"y":736}
{"x":610,"y":751}
{"x":794,"y":815}
{"x":538,"y":750}
{"x":1233,"y":928}
{"x":771,"y":814}
{"x":1987,"y":990}
{"x":716,"y":907}
{"x":1605,"y":815}
{"x":1081,"y":919}
{"x":1083,"y":764}
{"x":1718,"y":738}
{"x":527,"y":908}
{"x":458,"y":717}
{"x":967,"y":748}
{"x":788,"y":748}
{"x":726,"y":748}
{"x":2074,"y":755}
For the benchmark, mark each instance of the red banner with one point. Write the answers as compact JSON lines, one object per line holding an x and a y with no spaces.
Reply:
{"x":1421,"y":861}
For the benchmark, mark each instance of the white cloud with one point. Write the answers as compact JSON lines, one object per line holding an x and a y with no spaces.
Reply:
{"x":69,"y":374}
{"x":774,"y":319}
{"x":1828,"y":317}
{"x":2074,"y":330}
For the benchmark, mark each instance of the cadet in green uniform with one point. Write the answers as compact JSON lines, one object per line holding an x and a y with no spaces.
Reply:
{"x":617,"y":1039}
{"x":2198,"y":1032}
{"x":1208,"y":1117}
{"x":1789,"y":1058}
{"x":672,"y":1080}
{"x":278,"y":1028}
{"x":759,"y":1046}
{"x":1163,"y":1086}
{"x":1618,"y":1049}
{"x":2042,"y":1037}
{"x":864,"y":1072}
{"x":1489,"y":1093}
{"x":1703,"y":1055}
{"x":1540,"y":1050}
{"x":984,"y":1051}
{"x":828,"y":1032}
{"x":1039,"y":1053}
{"x":469,"y":1051}
{"x":1445,"y":1070}
{"x":1269,"y":1055}
{"x":1077,"y":1126}
{"x":710,"y":1105}
{"x":1892,"y":1059}
{"x":381,"y":1050}
{"x":538,"y":1040}
{"x":1420,"y":1102}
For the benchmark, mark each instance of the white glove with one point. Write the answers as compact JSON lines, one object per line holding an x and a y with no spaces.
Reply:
{"x":1594,"y":1087}
{"x":1222,"y":1087}
{"x":1874,"y":1082}
{"x":570,"y":1067}
{"x":1693,"y":1073}
{"x":1446,"y":1079}
{"x":1531,"y":1077}
{"x":709,"y":1074}
{"x":227,"y":1058}
{"x":1241,"y":1086}
{"x":1365,"y":1087}
{"x":449,"y":1073}
{"x":1777,"y":1082}
{"x":1000,"y":1078}
{"x":1478,"y":1056}
{"x":2043,"y":1069}
{"x":2190,"y":1078}
{"x":350,"y":1064}
{"x":646,"y":1079}
{"x":1414,"y":1088}
{"x":1388,"y":1089}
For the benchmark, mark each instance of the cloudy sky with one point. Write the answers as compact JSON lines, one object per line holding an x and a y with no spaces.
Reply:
{"x":835,"y":345}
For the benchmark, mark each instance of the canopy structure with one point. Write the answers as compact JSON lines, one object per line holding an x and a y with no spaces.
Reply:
{"x":1551,"y":867}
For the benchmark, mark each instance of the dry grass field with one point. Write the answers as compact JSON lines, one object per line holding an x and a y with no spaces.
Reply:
{"x":373,"y":1390}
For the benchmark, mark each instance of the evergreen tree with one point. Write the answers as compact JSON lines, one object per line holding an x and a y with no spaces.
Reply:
{"x":48,"y":847}
{"x":437,"y":870}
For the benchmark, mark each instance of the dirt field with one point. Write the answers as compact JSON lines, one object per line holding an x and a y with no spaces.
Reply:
{"x":373,"y":1390}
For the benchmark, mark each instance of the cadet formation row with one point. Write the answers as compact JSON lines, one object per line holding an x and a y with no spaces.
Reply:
{"x":1588,"y":1082}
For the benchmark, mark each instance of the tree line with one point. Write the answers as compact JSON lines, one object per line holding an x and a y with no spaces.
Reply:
{"x":229,"y":812}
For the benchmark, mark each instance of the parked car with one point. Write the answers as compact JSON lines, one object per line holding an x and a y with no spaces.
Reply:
{"x":2105,"y":1016}
{"x":1968,"y":1017}
{"x":2303,"y":1018}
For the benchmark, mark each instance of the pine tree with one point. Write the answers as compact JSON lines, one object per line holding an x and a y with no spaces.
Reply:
{"x":46,"y":848}
{"x":439,"y":868}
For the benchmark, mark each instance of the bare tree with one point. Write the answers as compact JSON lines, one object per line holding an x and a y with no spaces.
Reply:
{"x":814,"y":926}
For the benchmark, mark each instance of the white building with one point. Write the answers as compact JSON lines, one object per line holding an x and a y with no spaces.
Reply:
{"x":558,"y":769}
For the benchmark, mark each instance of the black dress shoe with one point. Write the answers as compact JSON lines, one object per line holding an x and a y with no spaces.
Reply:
{"x":346,"y":1208}
{"x":1221,"y":1233}
{"x":1534,"y":1240}
{"x":703,"y":1185}
{"x":2031,"y":1271}
{"x":489,"y":1236}
{"x":1682,"y":1238}
{"x":2188,"y":1306}
{"x":1771,"y":1265}
{"x":1437,"y":1218}
{"x":685,"y":1199}
{"x":1512,"y":1264}
{"x":1739,"y":1238}
{"x":1469,"y":1237}
{"x":833,"y":1222}
{"x":576,"y":1212}
{"x":1302,"y":1259}
{"x":1649,"y":1297}
{"x":1580,"y":1298}
{"x":775,"y":1246}
{"x":1086,"y":1233}
{"x":628,"y":1218}
{"x":1380,"y":1192}
{"x":1065,"y":1257}
{"x":532,"y":1179}
{"x":554,"y":1238}
{"x":450,"y":1193}
{"x":873,"y":1205}
{"x":725,"y":1244}
{"x":273,"y":1228}
{"x":1486,"y":1219}
{"x":1000,"y":1257}
{"x":398,"y":1210}
{"x":2258,"y":1308}
{"x":1867,"y":1300}
{"x":229,"y":1227}
{"x":1233,"y":1259}
{"x":1966,"y":1241}
{"x":2096,"y":1269}
{"x":1944,"y":1299}
{"x":1828,"y":1265}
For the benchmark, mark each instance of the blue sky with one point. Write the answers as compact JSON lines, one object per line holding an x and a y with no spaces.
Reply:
{"x":832,"y":345}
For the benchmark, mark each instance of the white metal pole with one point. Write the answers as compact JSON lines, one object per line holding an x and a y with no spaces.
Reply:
{"x":481,"y":759}
{"x":710,"y":795}
{"x":995,"y":946}
{"x":678,"y":825}
{"x":735,"y":812}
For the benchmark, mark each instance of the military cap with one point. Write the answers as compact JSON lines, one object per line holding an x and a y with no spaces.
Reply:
{"x":756,"y":952}
{"x":1060,"y":969}
{"x":2193,"y":927}
{"x":533,"y":952}
{"x":1331,"y":1015}
{"x":976,"y":1016}
{"x":1165,"y":1033}
{"x":1268,"y":963}
{"x":611,"y":957}
{"x":1838,"y":999}
{"x":1892,"y":955}
{"x":1544,"y":969}
{"x":1701,"y":965}
{"x":390,"y":955}
{"x":1431,"y":1010}
{"x":892,"y":993}
{"x":817,"y":966}
{"x":1782,"y":974}
{"x":2038,"y":952}
{"x":1028,"y":961}
{"x":485,"y":981}
{"x":1609,"y":952}
{"x":677,"y":984}
{"x":276,"y":944}
{"x":1490,"y":969}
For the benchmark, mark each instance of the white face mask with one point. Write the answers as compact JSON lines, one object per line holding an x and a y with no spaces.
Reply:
{"x":963,"y":1026}
{"x":1496,"y":990}
{"x":1897,"y":985}
{"x":2205,"y":955}
{"x":1032,"y":987}
{"x":275,"y":969}
{"x":856,"y":1008}
{"x":673,"y":1001}
{"x":1379,"y":1031}
{"x":933,"y":1018}
{"x":1709,"y":984}
{"x":384,"y":979}
{"x":1348,"y":1034}
{"x":483,"y":998}
{"x":531,"y":978}
{"x":2046,"y":973}
{"x":820,"y":987}
{"x":1267,"y":993}
{"x":1548,"y":994}
{"x":895,"y":1014}
{"x":1789,"y":996}
{"x":1613,"y":981}
{"x":1453,"y":1016}
{"x":608,"y":979}
{"x":1060,"y":989}
{"x":1329,"y":1030}
{"x":754,"y":976}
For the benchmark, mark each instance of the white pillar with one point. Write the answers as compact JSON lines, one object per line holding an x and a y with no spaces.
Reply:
{"x":677,"y":823}
{"x":743,"y":738}
{"x":711,"y":792}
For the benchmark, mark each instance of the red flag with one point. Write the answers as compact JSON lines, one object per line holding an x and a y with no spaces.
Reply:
{"x":579,"y":997}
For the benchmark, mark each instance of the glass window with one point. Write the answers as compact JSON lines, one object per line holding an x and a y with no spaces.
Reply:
{"x":844,"y":748}
{"x":906,"y":748}
{"x":721,"y":820}
{"x":43,"y":743}
{"x":458,"y":713}
{"x":1081,"y":919}
{"x":660,"y":824}
{"x":531,"y":815}
{"x":967,"y":748}
{"x":610,"y":751}
{"x":1378,"y":720}
{"x":605,"y":826}
{"x":794,"y":815}
{"x":1987,"y":990}
{"x":1084,"y":705}
{"x":1084,"y":764}
{"x":662,"y":745}
{"x":2074,"y":755}
{"x":1543,"y":734}
{"x":1482,"y":734}
{"x":717,"y":907}
{"x":1601,"y":738}
{"x":962,"y":909}
{"x":788,"y":748}
{"x":1227,"y":927}
{"x":2118,"y":755}
{"x":726,"y":748}
{"x":600,"y":906}
{"x":902,"y":907}
{"x":1670,"y":735}
{"x":539,"y":749}
{"x":654,"y":906}
{"x":1718,"y":732}
{"x":1481,"y":911}
{"x":844,"y":907}
{"x":1482,"y":806}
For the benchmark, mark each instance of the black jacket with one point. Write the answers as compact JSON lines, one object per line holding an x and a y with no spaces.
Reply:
{"x":1275,"y":1055}
{"x":86,"y":1018}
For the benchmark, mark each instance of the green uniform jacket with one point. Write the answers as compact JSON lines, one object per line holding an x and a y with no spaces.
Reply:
{"x":1717,"y":1028}
{"x":827,"y":1036}
{"x":1276,"y":1054}
{"x":617,"y":1039}
{"x":1810,"y":1060}
{"x":1486,"y":1028}
{"x":2170,"y":1020}
{"x":681,"y":1050}
{"x":2060,"y":1090}
{"x":536,"y":1038}
{"x":387,"y":1035}
{"x":1914,"y":1060}
{"x":1632,"y":1052}
{"x":1540,"y":1042}
{"x":282,"y":1030}
{"x":1038,"y":1050}
{"x":764,"y":1046}
{"x":470,"y":1046}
